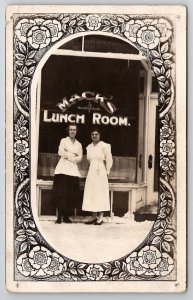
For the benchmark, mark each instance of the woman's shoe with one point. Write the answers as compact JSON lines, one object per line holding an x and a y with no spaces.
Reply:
{"x":58,"y":221}
{"x":99,"y":223}
{"x":66,"y":220}
{"x":91,"y":222}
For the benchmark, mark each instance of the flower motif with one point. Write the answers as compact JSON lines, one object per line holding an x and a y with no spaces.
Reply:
{"x":165,"y":266}
{"x":165,"y":164}
{"x":40,"y":257}
{"x":22,"y":163}
{"x":148,"y":37}
{"x":93,"y":22}
{"x":22,"y":28}
{"x":21,"y":147}
{"x":164,"y":27}
{"x":24,"y":266}
{"x":94,"y":272}
{"x":39,"y":36}
{"x":149,"y":257}
{"x":167,"y":147}
{"x":22,"y":132}
{"x":56,"y":265}
{"x":165,"y":131}
{"x":133,"y":265}
{"x":132,"y":28}
{"x":55,"y":29}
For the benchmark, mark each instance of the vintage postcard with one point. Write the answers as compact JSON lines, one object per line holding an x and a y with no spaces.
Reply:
{"x":95,"y":148}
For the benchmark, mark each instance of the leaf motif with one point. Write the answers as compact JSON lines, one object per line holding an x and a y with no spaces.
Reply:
{"x":84,"y":278}
{"x":30,"y":232}
{"x":115,"y":271}
{"x":66,"y":275}
{"x":116,"y":30}
{"x":72,"y":23}
{"x":162,"y":215}
{"x":107,"y":271}
{"x":167,"y":63}
{"x":155,"y":53}
{"x":19,"y":56}
{"x":166,"y":246}
{"x":21,"y":231}
{"x":122,"y":275}
{"x":124,"y":266}
{"x":19,"y":63}
{"x":81,"y":272}
{"x":23,"y":246}
{"x":25,"y":70}
{"x":105,"y":277}
{"x":31,"y":70}
{"x":32,"y":240}
{"x":121,"y":20}
{"x":167,"y":55}
{"x":163,"y":70}
{"x":156,"y":240}
{"x":162,"y":91}
{"x":168,"y":73}
{"x":30,"y":62}
{"x":22,"y":48}
{"x":70,"y":30}
{"x":21,"y":238}
{"x":106,"y":28}
{"x":169,"y":231}
{"x":73,"y":271}
{"x":159,"y":231}
{"x":157,"y":62}
{"x":157,"y":224}
{"x":80,"y":22}
{"x":106,"y":22}
{"x":162,"y":84}
{"x":71,"y":264}
{"x":81,"y":266}
{"x":168,"y":238}
{"x":168,"y":92}
{"x":117,"y":264}
{"x":20,"y":220}
{"x":31,"y":224}
{"x":80,"y":28}
{"x":107,"y":266}
{"x":126,"y":18}
{"x":83,"y":17}
{"x":65,"y":20}
{"x":156,"y":71}
{"x":164,"y":48}
{"x":161,"y":78}
{"x":19,"y":74}
{"x":32,"y":54}
{"x":114,"y":23}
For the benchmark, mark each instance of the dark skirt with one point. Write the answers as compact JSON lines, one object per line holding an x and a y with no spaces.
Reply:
{"x":66,"y":194}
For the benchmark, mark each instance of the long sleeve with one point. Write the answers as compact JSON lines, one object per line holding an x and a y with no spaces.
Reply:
{"x":108,"y":158}
{"x":62,"y":152}
{"x":76,"y":159}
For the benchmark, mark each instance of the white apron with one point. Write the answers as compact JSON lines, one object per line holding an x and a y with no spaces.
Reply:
{"x":96,"y":191}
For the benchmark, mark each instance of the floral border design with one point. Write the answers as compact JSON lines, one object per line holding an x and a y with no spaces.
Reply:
{"x":35,"y":259}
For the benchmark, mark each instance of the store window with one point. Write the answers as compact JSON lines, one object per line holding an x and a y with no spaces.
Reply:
{"x":106,"y":93}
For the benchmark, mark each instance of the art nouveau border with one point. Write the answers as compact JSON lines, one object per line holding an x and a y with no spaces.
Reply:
{"x":35,"y":259}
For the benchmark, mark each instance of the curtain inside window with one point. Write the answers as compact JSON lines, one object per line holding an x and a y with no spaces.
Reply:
{"x":123,"y":167}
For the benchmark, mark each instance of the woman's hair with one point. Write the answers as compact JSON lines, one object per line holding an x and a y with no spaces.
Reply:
{"x":97,"y":129}
{"x":71,"y":124}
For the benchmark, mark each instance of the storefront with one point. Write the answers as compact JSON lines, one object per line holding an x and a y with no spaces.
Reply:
{"x":99,"y":80}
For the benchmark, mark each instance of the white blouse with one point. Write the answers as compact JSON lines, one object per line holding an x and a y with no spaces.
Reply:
{"x":100,"y":153}
{"x":71,"y":155}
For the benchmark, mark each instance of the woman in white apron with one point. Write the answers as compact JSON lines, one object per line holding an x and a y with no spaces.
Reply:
{"x":96,"y":191}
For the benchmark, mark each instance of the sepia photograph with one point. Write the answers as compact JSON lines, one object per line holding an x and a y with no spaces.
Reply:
{"x":94,"y":127}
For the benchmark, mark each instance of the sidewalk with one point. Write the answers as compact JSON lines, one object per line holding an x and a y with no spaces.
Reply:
{"x":115,"y":238}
